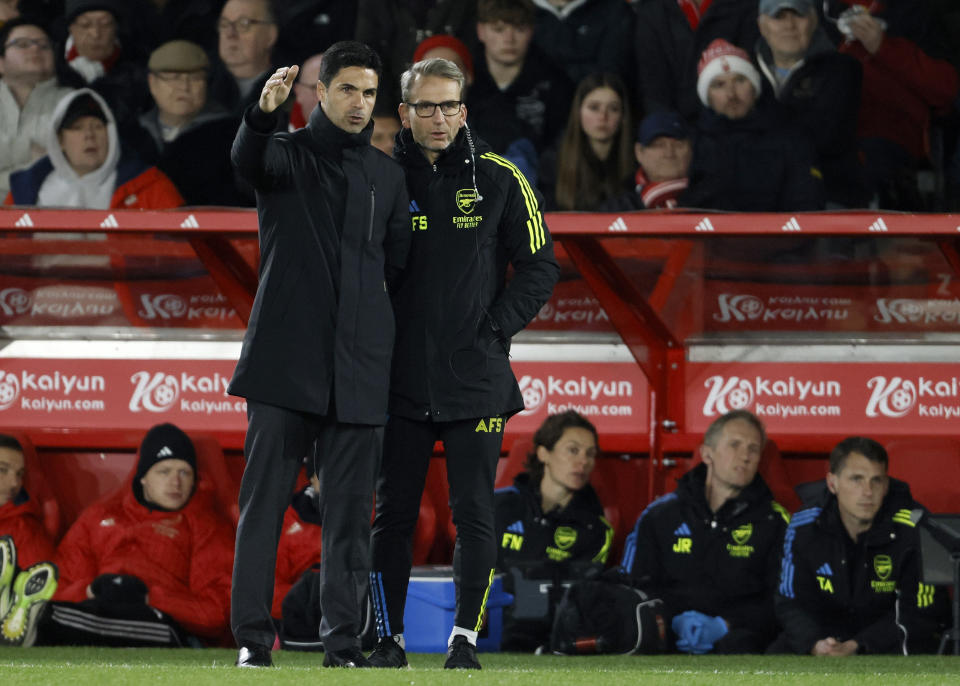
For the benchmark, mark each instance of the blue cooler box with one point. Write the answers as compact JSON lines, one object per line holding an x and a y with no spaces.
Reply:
{"x":431,"y":600}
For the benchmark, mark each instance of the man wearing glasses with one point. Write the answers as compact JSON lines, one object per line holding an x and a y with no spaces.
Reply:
{"x":315,"y":361}
{"x":102,"y":54}
{"x":188,"y":136}
{"x":472,"y":214}
{"x":247,"y":32}
{"x":28,"y":95}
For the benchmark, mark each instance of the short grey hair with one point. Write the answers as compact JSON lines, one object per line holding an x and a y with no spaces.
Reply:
{"x":716,"y":428}
{"x":435,"y":66}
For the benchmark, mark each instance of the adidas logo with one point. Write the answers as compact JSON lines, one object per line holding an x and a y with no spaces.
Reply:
{"x":165,"y":452}
{"x":878,"y":225}
{"x":109,"y":223}
{"x":704,"y":225}
{"x":414,"y":207}
{"x":825,"y":569}
{"x":683,"y":530}
{"x":190,"y":223}
{"x":618,"y":225}
{"x":792,"y":225}
{"x":26,"y":221}
{"x":516,"y":527}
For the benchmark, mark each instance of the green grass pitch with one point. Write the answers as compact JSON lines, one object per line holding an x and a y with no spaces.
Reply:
{"x":110,"y":666}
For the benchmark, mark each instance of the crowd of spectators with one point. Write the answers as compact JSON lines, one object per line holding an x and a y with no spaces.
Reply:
{"x":787,"y":104}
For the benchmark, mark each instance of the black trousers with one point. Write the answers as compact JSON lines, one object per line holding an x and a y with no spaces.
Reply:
{"x":472,"y":448}
{"x":97,"y":623}
{"x":346,"y":458}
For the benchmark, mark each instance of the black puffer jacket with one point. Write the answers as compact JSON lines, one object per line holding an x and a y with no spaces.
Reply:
{"x":334,"y":235}
{"x":869,"y":591}
{"x":455,"y":310}
{"x":721,"y":564}
{"x":753,"y":164}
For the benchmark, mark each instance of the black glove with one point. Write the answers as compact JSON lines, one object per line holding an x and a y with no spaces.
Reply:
{"x":119,"y":588}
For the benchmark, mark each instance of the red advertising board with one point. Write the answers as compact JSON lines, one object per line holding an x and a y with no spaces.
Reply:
{"x":829,"y":398}
{"x":136,"y":393}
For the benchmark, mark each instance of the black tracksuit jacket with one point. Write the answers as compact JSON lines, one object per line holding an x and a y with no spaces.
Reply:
{"x":527,"y":535}
{"x":721,"y":564}
{"x":454,"y":307}
{"x":869,"y":591}
{"x":334,"y":236}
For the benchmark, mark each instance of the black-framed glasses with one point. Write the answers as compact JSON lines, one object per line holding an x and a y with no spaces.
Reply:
{"x":27,"y":43}
{"x":426,"y":109}
{"x":241,"y":25}
{"x":197,"y":76}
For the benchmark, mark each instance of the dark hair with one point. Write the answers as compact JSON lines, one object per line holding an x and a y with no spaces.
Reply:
{"x":716,"y":428}
{"x":7,"y":441}
{"x":348,"y":53}
{"x":516,"y":12}
{"x":10,"y":25}
{"x":549,"y":433}
{"x":583,"y":180}
{"x":867,"y":447}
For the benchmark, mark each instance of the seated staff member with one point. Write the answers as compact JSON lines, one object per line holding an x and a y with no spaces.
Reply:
{"x":551,"y":515}
{"x":710,"y":548}
{"x":851,"y":573}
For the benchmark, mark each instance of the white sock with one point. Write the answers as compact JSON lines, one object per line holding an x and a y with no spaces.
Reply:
{"x":400,"y":642}
{"x":460,"y":631}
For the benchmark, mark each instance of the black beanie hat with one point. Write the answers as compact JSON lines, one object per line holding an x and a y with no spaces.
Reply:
{"x":74,"y":8}
{"x":84,"y":105}
{"x":164,"y":442}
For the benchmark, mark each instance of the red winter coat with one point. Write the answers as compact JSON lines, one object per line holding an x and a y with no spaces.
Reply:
{"x":185,"y":557}
{"x":902,"y":82}
{"x":25,"y":523}
{"x":298,"y":551}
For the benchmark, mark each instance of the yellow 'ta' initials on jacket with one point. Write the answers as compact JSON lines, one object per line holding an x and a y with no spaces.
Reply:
{"x":825,"y":583}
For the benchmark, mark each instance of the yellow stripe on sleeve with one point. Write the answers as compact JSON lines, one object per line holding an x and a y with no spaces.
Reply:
{"x":535,"y":222}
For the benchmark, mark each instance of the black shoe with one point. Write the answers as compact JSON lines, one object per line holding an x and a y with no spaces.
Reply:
{"x":348,"y":657}
{"x":254,"y":656}
{"x":461,"y":654}
{"x":388,"y":653}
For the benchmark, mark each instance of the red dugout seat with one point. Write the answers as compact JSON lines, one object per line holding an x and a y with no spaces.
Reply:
{"x":931,"y":465}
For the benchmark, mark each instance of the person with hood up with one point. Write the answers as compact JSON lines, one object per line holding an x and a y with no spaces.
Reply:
{"x":86,"y":167}
{"x":20,"y":515}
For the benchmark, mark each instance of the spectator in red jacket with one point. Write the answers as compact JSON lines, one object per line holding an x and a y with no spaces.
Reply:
{"x":85,"y":165}
{"x":904,"y":82}
{"x":20,"y":516}
{"x":148,"y":565}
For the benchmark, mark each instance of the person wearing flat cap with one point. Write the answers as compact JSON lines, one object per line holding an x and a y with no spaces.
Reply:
{"x":148,"y":565}
{"x":96,"y":57}
{"x":86,"y":166}
{"x":187,"y":135}
{"x":663,"y":150}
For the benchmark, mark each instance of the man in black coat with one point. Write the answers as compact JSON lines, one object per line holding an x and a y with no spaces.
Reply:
{"x":818,"y":91}
{"x":315,"y":364}
{"x":187,"y":135}
{"x":745,"y":159}
{"x":474,"y":214}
